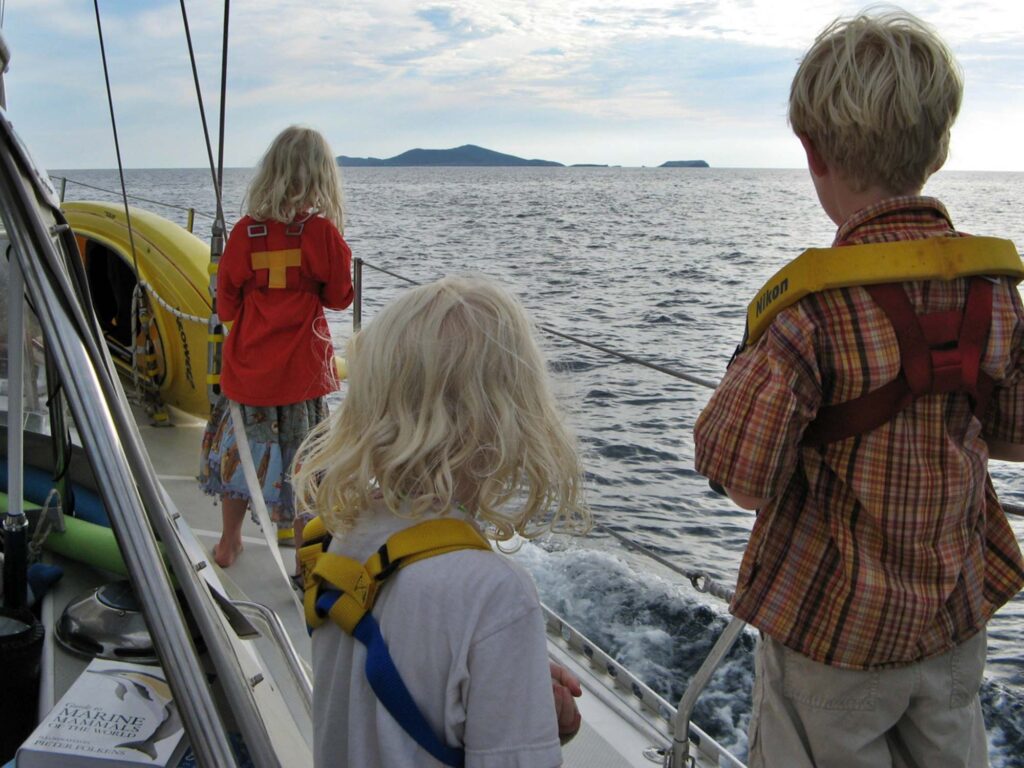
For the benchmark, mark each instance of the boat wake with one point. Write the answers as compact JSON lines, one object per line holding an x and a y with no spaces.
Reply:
{"x":651,"y":626}
{"x":661,"y":630}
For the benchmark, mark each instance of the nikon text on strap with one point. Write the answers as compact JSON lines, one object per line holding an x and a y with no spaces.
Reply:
{"x":940,"y":352}
{"x":821,"y":269}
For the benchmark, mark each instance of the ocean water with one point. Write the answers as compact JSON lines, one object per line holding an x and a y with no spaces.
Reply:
{"x":656,"y":263}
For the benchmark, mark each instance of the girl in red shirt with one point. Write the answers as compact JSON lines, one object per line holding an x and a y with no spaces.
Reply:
{"x":284,"y":262}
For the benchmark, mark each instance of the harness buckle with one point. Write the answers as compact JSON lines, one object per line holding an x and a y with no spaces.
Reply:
{"x":294,"y":229}
{"x":309,"y":552}
{"x":257,"y":230}
{"x":386,"y":566}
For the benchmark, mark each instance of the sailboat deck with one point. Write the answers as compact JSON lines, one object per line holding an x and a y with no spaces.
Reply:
{"x":611,"y":736}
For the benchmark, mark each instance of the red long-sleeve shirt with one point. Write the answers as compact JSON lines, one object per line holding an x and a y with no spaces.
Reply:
{"x":279,"y":349}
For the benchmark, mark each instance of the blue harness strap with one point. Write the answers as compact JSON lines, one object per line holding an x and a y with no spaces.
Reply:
{"x":386,"y":682}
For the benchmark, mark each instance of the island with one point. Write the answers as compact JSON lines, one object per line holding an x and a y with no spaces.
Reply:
{"x":467,"y":154}
{"x":685,"y":164}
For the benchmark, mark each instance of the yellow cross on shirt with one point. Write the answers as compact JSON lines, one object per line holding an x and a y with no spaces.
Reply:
{"x":277,"y":262}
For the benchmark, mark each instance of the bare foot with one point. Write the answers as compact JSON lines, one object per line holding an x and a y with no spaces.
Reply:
{"x":224,"y":555}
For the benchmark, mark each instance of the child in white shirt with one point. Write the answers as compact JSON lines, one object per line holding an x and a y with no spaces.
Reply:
{"x":449,"y":414}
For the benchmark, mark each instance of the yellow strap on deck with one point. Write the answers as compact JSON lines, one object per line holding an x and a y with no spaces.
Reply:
{"x":935,"y":258}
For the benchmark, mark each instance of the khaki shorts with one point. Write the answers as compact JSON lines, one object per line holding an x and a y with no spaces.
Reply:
{"x":925,"y":715}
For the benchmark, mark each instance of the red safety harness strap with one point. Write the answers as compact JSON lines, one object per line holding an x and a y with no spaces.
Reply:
{"x":294,"y":279}
{"x":939,"y":353}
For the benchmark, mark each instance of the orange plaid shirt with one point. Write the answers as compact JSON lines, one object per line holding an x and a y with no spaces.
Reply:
{"x":887,"y":547}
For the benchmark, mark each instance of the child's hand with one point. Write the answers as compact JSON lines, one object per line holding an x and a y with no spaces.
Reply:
{"x":566,"y":688}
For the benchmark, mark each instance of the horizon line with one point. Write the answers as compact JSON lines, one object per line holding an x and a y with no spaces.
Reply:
{"x":563,"y":166}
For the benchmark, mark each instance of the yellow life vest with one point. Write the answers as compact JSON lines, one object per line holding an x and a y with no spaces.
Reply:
{"x":359,"y":583}
{"x":344,"y":590}
{"x":821,"y":269}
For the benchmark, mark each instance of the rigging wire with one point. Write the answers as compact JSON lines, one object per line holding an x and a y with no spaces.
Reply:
{"x":117,"y":144}
{"x":217,"y":179}
{"x":139,"y":312}
{"x":215,"y":329}
{"x":223,"y":98}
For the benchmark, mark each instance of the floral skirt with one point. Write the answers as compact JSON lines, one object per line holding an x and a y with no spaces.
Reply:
{"x":274,"y":433}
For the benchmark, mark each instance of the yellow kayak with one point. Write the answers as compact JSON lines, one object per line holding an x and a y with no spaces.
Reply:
{"x":173,"y":264}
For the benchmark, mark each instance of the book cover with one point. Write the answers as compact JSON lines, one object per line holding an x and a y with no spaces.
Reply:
{"x":115,"y":714}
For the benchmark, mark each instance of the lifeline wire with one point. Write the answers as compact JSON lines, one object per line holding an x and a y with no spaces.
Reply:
{"x":700,"y":580}
{"x":137,"y":197}
{"x":600,"y":348}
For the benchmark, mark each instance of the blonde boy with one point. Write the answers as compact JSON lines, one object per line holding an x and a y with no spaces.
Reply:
{"x":877,"y":557}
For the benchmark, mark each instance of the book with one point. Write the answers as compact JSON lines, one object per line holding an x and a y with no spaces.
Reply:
{"x":115,"y":714}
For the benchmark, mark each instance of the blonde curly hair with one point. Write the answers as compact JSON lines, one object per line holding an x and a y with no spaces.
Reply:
{"x":296,"y":175}
{"x":448,"y":403}
{"x":877,"y":95}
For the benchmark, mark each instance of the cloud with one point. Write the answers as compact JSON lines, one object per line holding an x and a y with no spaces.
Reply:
{"x":378,"y":72}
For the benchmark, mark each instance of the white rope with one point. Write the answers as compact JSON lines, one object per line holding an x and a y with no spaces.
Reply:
{"x":135,"y":341}
{"x":173,"y":310}
{"x":51,"y":507}
{"x":257,"y":502}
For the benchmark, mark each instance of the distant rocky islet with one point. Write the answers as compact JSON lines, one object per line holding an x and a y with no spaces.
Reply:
{"x":472,"y":155}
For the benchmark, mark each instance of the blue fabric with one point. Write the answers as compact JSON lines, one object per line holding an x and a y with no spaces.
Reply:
{"x":41,"y":577}
{"x":386,"y":682}
{"x":39,"y":483}
{"x":388,"y":685}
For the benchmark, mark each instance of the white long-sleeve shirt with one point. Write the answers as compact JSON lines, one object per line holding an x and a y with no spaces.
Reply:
{"x":466,"y":633}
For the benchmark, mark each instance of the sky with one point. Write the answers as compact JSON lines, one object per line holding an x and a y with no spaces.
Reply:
{"x":622,"y":82}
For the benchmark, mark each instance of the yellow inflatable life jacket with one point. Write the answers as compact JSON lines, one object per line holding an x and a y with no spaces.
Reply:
{"x":821,"y":269}
{"x":358,"y":582}
{"x":344,"y":590}
{"x":940,"y":352}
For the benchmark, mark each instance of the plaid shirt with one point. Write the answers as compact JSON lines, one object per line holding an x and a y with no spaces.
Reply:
{"x":887,"y":547}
